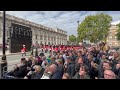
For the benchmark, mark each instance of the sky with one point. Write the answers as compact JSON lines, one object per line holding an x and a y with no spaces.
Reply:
{"x":65,"y":20}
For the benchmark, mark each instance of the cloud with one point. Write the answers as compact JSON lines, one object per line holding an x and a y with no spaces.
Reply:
{"x":66,"y":20}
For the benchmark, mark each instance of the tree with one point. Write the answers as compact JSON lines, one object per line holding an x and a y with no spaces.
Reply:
{"x":94,"y":27}
{"x":77,"y":40}
{"x":72,"y":38}
{"x":118,"y":32}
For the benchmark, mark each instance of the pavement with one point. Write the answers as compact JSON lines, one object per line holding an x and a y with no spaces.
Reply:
{"x":8,"y":53}
{"x":14,"y":58}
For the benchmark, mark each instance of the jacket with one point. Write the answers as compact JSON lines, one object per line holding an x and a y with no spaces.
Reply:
{"x":59,"y":73}
{"x":36,"y":75}
{"x":21,"y":71}
{"x":77,"y":76}
{"x":71,"y":69}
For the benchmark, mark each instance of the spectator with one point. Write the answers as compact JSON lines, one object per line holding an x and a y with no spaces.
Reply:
{"x":66,"y":76}
{"x":79,"y":63}
{"x":44,"y":63}
{"x":39,"y":60}
{"x":29,"y":62}
{"x":116,"y":57}
{"x":82,"y":74}
{"x":60,"y":70}
{"x":70,"y":67}
{"x":49,"y":72}
{"x":52,"y":58}
{"x":109,"y":74}
{"x":117,"y":70}
{"x":106,"y":65}
{"x":78,"y":55}
{"x":37,"y":74}
{"x":21,"y":71}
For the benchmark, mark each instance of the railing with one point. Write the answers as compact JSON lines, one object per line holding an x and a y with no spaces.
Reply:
{"x":3,"y":71}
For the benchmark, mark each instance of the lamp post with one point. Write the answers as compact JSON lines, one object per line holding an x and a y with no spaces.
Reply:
{"x":78,"y":22}
{"x":32,"y":49}
{"x":4,"y":61}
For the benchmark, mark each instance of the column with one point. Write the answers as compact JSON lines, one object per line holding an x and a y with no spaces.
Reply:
{"x":56,"y":39}
{"x":43,"y":38}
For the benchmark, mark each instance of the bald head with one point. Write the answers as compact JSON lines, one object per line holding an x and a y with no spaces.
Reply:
{"x":53,"y":68}
{"x":109,"y":74}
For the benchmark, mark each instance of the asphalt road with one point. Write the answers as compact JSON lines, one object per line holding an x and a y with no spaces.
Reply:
{"x":15,"y":59}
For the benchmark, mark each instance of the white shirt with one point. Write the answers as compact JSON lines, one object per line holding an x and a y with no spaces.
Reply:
{"x":64,"y":56}
{"x":43,"y":64}
{"x":45,"y":77}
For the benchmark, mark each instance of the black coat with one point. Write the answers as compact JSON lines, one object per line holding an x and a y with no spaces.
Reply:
{"x":21,"y":71}
{"x":71,"y":69}
{"x":29,"y":63}
{"x":59,"y":73}
{"x":36,"y":75}
{"x":100,"y":71}
{"x":118,"y":73}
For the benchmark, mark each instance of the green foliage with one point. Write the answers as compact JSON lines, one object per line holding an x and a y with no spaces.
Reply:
{"x":72,"y":38}
{"x":94,"y":27}
{"x":118,"y":32}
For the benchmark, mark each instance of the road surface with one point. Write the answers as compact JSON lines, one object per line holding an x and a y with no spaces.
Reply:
{"x":15,"y":59}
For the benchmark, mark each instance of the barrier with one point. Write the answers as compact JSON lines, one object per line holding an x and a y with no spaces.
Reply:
{"x":4,"y":72}
{"x":1,"y":68}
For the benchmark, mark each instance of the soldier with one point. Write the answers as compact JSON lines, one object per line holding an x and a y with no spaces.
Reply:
{"x":23,"y":50}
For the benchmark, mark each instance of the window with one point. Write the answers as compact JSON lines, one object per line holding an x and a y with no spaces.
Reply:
{"x":110,"y":33}
{"x":41,"y":37}
{"x":36,"y":37}
{"x":110,"y":37}
{"x":116,"y":43}
{"x":41,"y":42}
{"x":110,"y":43}
{"x":36,"y":42}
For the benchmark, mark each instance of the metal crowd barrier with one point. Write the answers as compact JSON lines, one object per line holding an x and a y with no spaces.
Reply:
{"x":4,"y":72}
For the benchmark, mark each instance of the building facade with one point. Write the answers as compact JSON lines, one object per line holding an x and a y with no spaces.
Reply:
{"x":40,"y":33}
{"x":112,"y":39}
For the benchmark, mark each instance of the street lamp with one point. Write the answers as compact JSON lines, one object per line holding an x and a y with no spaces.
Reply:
{"x":4,"y":61}
{"x":78,"y":22}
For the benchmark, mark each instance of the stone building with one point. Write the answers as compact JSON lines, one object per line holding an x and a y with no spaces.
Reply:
{"x":40,"y":34}
{"x":112,"y":39}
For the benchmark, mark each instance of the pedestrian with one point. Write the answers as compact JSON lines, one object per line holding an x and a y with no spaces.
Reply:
{"x":23,"y":50}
